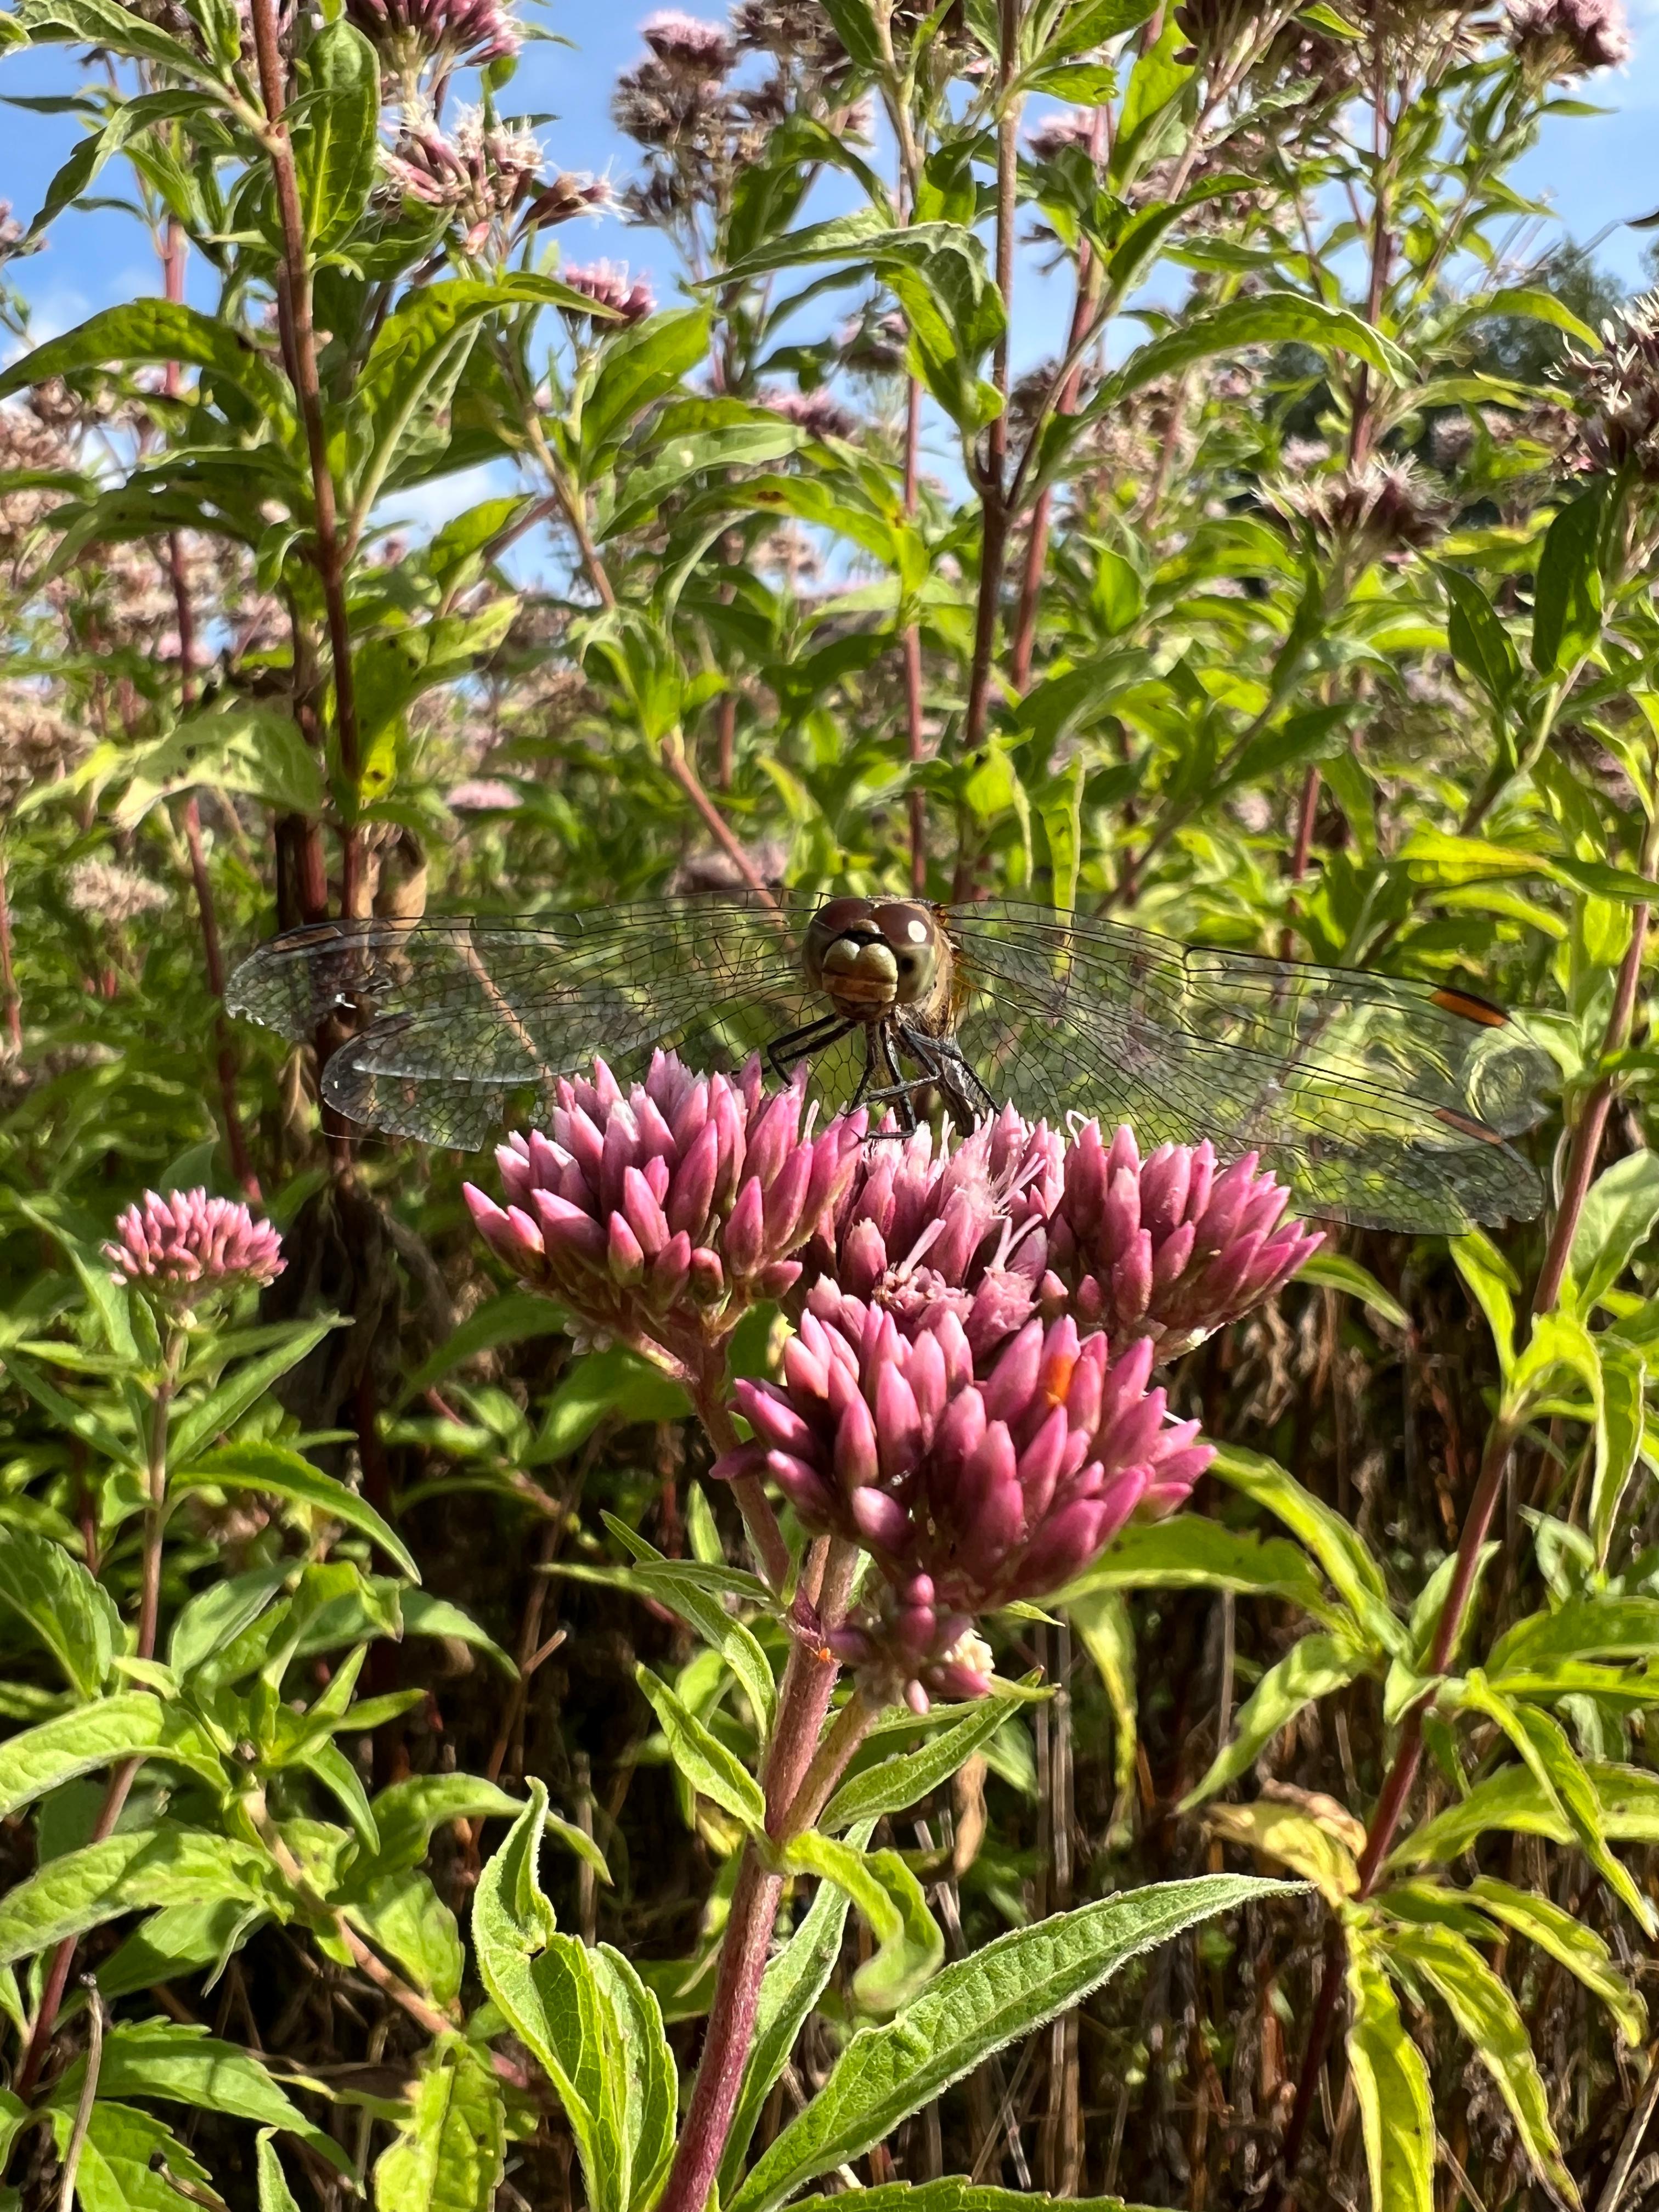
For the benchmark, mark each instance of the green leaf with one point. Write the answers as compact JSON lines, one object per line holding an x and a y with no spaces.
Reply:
{"x":243,"y":1388}
{"x":335,"y":149}
{"x":712,"y":1770}
{"x":1578,"y":1948}
{"x":450,"y":2152}
{"x":80,"y":1421}
{"x":275,"y":2194}
{"x":1618,"y":1440}
{"x":1101,"y":1618}
{"x":1487,"y":2014}
{"x":547,"y":1988}
{"x":1492,"y":1282}
{"x":889,"y":1898}
{"x":94,"y":1737}
{"x":973,"y":2009}
{"x":1308,"y":1847}
{"x":1391,"y":2087}
{"x":1479,"y":643}
{"x":1538,"y":306}
{"x":184,"y":2064}
{"x":403,"y":1915}
{"x":640,"y":366}
{"x":794,"y":1982}
{"x":148,"y":331}
{"x":212,"y":1620}
{"x":406,"y":1813}
{"x":1626,"y":1799}
{"x":243,"y":744}
{"x":1309,"y":1669}
{"x":130,"y":2161}
{"x":426,"y":1615}
{"x":1617,"y":1220}
{"x":106,"y":23}
{"x":1192,"y":1553}
{"x":512,"y":1318}
{"x":1152,"y":104}
{"x":179,"y":1939}
{"x":642,"y":2067}
{"x":1260,"y":318}
{"x":684,"y":1591}
{"x":894,"y":1783}
{"x":1566,"y":615}
{"x":131,"y":1870}
{"x":1334,"y":1270}
{"x":68,"y":1611}
{"x":1341,"y":1550}
{"x":1542,"y":1743}
{"x":614,"y":1381}
{"x":280,"y":1472}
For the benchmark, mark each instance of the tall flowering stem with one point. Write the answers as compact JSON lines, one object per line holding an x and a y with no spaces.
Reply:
{"x":181,"y":1251}
{"x":967,"y":1401}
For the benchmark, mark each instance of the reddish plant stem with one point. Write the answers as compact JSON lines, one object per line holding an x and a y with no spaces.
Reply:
{"x":759,"y":1518}
{"x":1036,"y":544}
{"x":912,"y":644}
{"x":1303,"y":848}
{"x":1582,"y":1151}
{"x":808,"y":1682}
{"x":300,"y":350}
{"x":8,"y":990}
{"x":679,"y":767}
{"x":994,"y":487}
{"x":173,"y":272}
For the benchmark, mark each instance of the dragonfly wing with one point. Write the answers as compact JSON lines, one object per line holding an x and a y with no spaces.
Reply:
{"x":1381,"y":1102}
{"x":462,"y":1023}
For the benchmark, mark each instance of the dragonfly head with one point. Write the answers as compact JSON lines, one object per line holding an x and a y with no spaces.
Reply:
{"x":869,"y":956}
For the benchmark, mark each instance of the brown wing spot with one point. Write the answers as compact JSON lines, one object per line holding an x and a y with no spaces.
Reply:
{"x":1471,"y":1009}
{"x":1467,"y":1126}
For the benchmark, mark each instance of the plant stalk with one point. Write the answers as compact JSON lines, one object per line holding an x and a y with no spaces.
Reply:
{"x":794,"y":1776}
{"x":299,"y":347}
{"x":1582,"y":1152}
{"x":9,"y":991}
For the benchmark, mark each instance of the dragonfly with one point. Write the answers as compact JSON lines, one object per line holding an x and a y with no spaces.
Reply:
{"x":1381,"y":1102}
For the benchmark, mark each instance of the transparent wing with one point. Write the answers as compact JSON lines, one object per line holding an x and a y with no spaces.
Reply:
{"x":462,"y":1023}
{"x":1380,"y":1102}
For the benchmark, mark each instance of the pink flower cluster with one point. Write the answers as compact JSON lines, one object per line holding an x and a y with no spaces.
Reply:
{"x":970,"y":1483}
{"x":967,"y":1396}
{"x":658,"y":1214}
{"x":187,"y":1244}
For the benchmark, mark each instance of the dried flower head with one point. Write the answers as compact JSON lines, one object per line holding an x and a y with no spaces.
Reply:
{"x":186,"y":1245}
{"x":658,"y":1214}
{"x":608,"y":285}
{"x":1380,"y":510}
{"x":450,"y":34}
{"x":688,"y":43}
{"x":1569,"y":38}
{"x":1618,"y":411}
{"x":110,"y":893}
{"x":971,"y":1483}
{"x":819,"y":413}
{"x":1072,"y":127}
{"x":798,"y":31}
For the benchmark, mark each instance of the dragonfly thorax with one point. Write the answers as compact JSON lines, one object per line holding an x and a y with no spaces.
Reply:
{"x":870,"y":958}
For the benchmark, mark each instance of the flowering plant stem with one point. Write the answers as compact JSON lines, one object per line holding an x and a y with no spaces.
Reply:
{"x":120,"y":1782}
{"x":1584,"y":1146}
{"x":799,"y":1777}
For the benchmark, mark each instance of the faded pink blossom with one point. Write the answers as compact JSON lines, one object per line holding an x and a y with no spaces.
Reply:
{"x":187,"y":1244}
{"x":971,"y":1483}
{"x":1167,"y":1248}
{"x":607,"y":284}
{"x":658,"y":1214}
{"x":451,"y":33}
{"x":687,"y":42}
{"x":485,"y":794}
{"x":1569,"y":38}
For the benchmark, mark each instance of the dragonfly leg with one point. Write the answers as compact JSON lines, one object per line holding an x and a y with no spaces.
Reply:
{"x":943,"y":1059}
{"x":799,"y":1044}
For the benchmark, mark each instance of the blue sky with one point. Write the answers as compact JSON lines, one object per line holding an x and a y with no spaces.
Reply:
{"x":1598,"y":174}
